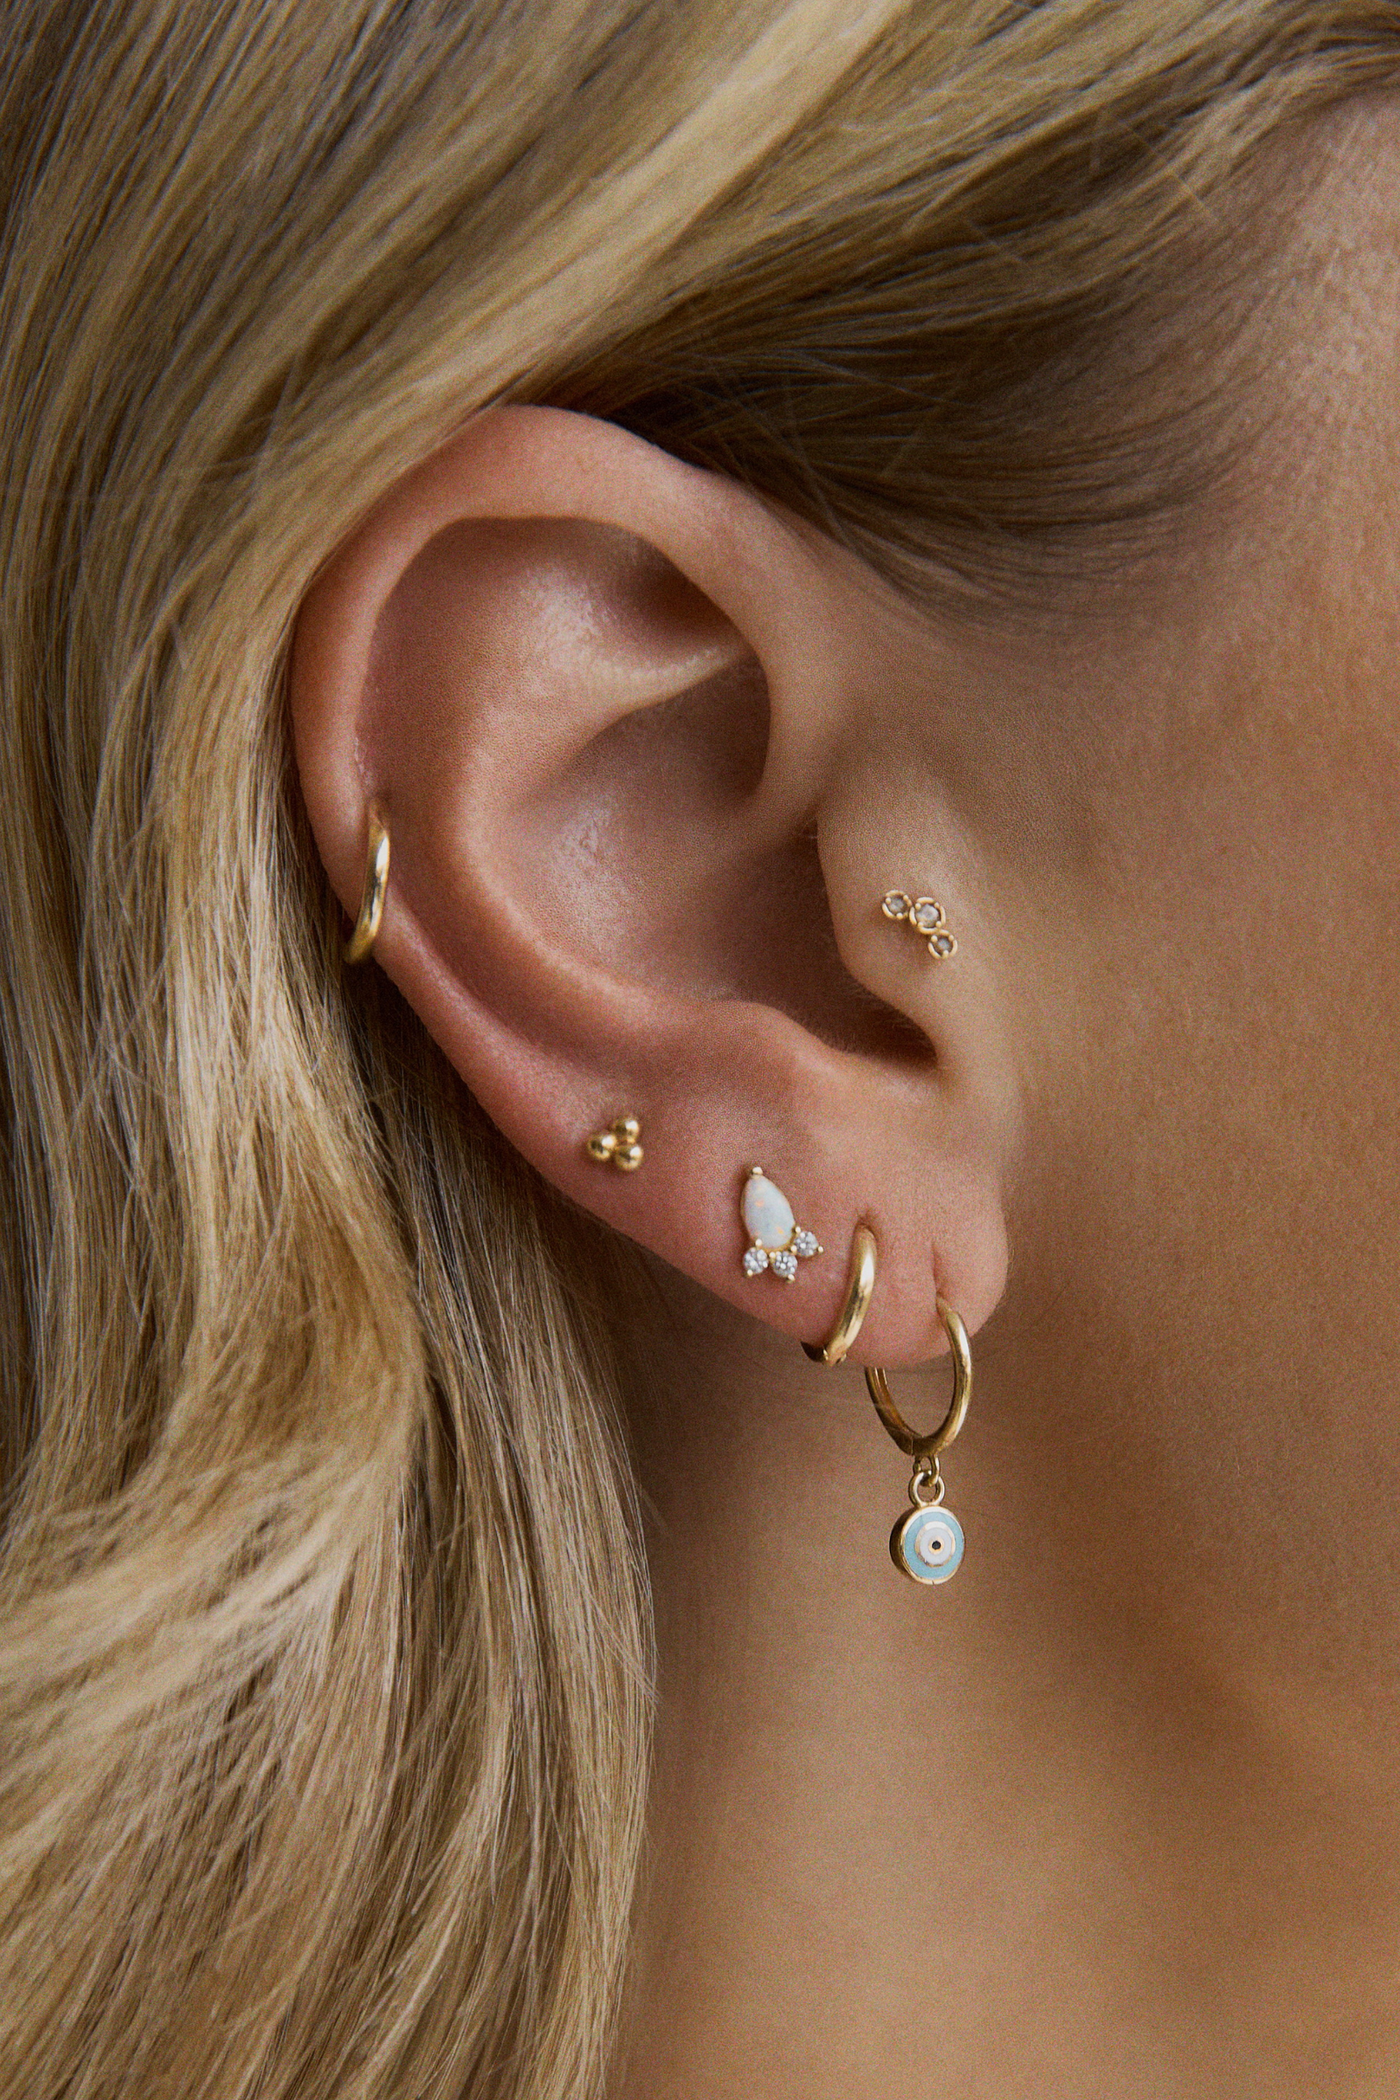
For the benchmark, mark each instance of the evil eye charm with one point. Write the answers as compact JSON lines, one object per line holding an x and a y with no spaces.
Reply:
{"x":927,"y":1544}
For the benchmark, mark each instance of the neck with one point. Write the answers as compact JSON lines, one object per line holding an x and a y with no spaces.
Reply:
{"x":991,"y":1825}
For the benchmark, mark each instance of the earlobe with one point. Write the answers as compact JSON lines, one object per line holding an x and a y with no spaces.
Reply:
{"x":597,"y":695}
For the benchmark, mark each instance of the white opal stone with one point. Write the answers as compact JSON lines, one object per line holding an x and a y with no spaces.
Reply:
{"x":768,"y":1215}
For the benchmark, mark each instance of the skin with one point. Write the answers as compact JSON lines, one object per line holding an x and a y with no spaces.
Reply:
{"x":1115,"y":1811}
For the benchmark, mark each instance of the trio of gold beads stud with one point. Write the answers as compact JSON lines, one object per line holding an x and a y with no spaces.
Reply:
{"x":620,"y":1146}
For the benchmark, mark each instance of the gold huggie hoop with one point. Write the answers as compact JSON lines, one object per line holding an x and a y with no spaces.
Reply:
{"x":856,"y":1304}
{"x":926,"y":1448}
{"x":926,"y":1543}
{"x":376,"y":884}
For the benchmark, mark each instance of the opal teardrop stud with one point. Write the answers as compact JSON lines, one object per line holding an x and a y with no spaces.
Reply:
{"x":776,"y":1240}
{"x":927,"y":1541}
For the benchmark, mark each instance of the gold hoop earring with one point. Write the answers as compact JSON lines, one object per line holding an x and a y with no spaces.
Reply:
{"x":926,"y":1543}
{"x":366,"y":930}
{"x":860,"y":1286}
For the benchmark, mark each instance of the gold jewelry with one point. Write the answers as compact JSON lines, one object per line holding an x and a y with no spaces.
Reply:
{"x":376,"y":884}
{"x":927,"y":1541}
{"x":924,"y":915}
{"x":860,"y":1285}
{"x":618,"y":1147}
{"x":776,"y":1240}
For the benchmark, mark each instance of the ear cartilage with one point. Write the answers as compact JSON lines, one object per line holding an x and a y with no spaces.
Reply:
{"x":925,"y":916}
{"x":776,"y":1241}
{"x":618,"y":1147}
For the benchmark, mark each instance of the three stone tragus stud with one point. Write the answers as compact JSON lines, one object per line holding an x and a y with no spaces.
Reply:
{"x":619,"y":1147}
{"x":366,"y":929}
{"x":925,"y":916}
{"x":776,"y":1241}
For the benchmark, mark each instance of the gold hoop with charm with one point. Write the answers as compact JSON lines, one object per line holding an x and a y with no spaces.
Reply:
{"x":926,"y":1543}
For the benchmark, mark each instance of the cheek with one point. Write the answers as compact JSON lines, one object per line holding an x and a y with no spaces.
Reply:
{"x":1207,"y":1231}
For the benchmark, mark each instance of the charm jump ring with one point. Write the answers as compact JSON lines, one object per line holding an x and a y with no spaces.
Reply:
{"x":925,"y":1449}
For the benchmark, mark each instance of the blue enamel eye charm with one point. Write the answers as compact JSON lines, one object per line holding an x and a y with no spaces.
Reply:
{"x":927,"y":1544}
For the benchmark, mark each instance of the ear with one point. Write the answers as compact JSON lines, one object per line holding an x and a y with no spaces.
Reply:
{"x":618,"y":716}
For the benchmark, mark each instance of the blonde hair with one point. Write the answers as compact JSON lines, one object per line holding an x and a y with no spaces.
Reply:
{"x":324,"y":1656}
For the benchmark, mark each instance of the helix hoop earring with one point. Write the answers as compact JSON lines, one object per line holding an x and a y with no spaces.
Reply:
{"x":366,"y":930}
{"x":926,"y":1543}
{"x":860,"y":1287}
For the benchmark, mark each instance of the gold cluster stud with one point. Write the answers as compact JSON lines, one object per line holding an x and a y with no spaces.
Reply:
{"x":925,"y":916}
{"x":618,"y":1147}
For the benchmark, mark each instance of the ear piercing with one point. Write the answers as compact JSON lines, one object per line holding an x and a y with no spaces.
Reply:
{"x":777,"y":1241}
{"x":925,"y":916}
{"x":618,"y":1147}
{"x":376,"y":885}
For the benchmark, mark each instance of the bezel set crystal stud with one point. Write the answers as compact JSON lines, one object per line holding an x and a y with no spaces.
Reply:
{"x":925,"y":916}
